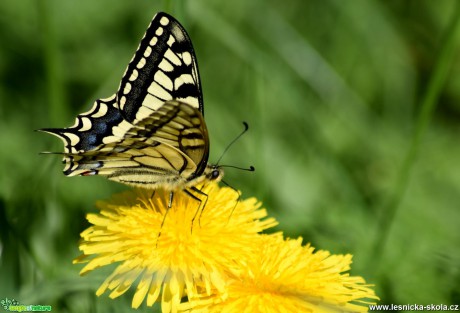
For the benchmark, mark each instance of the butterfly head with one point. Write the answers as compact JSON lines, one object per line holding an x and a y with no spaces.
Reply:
{"x":214,"y":172}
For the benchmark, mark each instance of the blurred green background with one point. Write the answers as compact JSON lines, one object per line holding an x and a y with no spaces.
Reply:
{"x":353,"y":107}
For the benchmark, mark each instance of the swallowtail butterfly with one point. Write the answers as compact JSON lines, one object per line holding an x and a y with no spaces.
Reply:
{"x":151,"y":133}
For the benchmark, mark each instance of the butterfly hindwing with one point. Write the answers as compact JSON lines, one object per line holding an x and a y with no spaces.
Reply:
{"x":91,"y":127}
{"x":180,"y":126}
{"x":167,"y":147}
{"x":163,"y":68}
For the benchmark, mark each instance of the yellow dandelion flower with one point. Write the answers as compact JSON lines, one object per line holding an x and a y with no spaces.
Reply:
{"x":163,"y":251}
{"x":283,"y":276}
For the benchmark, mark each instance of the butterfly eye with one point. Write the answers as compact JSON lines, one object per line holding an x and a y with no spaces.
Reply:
{"x":215,"y":174}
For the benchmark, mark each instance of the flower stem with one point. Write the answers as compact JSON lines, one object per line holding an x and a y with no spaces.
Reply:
{"x":428,"y":105}
{"x":53,"y":79}
{"x":167,"y":6}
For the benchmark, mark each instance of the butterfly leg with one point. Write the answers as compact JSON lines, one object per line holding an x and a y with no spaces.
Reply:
{"x":190,"y":194}
{"x":237,"y":199}
{"x":199,"y":191}
{"x":171,"y":196}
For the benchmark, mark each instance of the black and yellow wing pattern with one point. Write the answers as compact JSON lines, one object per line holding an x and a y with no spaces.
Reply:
{"x":151,"y":133}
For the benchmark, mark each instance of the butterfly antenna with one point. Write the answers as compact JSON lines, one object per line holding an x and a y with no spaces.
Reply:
{"x":250,"y":169}
{"x":246,"y":127}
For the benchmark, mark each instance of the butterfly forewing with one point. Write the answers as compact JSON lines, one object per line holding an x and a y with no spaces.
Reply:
{"x":163,"y":68}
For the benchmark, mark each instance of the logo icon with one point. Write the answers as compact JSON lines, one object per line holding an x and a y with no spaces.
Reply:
{"x":13,"y":305}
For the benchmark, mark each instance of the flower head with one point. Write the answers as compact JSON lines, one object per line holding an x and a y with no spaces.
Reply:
{"x":172,"y":252}
{"x":283,"y":276}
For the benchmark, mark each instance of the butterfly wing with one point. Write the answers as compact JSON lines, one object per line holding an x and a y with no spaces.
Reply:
{"x":163,"y":68}
{"x":90,"y":128}
{"x":165,"y":149}
{"x":141,"y":136}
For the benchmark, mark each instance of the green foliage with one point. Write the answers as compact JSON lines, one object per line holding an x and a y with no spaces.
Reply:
{"x":333,"y":92}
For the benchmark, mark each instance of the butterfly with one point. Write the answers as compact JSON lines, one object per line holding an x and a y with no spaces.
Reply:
{"x":151,"y":133}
